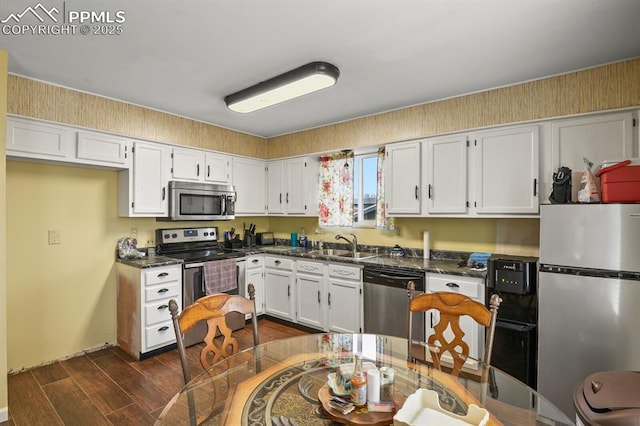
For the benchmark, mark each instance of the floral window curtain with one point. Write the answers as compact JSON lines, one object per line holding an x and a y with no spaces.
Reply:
{"x":382,"y":221}
{"x":336,"y":190}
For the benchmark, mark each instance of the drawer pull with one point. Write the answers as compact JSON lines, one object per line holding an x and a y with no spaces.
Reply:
{"x":255,"y":261}
{"x":277,"y":262}
{"x":452,"y":285}
{"x":163,"y":290}
{"x":161,"y":307}
{"x":163,"y":328}
{"x":163,"y":274}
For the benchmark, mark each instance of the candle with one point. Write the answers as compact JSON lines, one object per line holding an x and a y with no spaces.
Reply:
{"x":373,"y":385}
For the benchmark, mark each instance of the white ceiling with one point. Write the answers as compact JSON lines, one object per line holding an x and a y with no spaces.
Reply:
{"x":184,"y":57}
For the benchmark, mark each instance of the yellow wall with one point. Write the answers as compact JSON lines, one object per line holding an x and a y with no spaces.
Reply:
{"x":77,"y":277}
{"x":3,"y":239}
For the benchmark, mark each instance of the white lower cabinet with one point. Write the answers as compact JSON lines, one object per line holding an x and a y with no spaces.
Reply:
{"x":254,"y":274}
{"x":279,"y":282}
{"x":144,"y":320}
{"x":310,"y":291}
{"x":469,"y":286}
{"x":344,"y":298}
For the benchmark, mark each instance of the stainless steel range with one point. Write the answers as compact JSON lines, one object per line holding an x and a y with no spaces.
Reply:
{"x":196,"y":246}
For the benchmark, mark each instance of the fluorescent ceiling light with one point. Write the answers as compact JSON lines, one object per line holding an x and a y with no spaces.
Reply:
{"x":300,"y":81}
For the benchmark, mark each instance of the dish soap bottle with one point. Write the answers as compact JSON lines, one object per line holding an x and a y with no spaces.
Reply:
{"x":359,"y":384}
{"x":303,"y":238}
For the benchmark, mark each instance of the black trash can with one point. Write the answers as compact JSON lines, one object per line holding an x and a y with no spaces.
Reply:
{"x":608,"y":398}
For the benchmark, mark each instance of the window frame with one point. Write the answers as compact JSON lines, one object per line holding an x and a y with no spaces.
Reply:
{"x":359,"y":158}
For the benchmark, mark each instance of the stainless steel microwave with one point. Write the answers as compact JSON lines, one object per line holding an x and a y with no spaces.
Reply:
{"x":201,"y":201}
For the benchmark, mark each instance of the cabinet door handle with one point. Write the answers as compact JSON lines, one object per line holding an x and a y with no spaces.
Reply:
{"x":452,"y":285}
{"x":163,"y":290}
{"x":535,"y":187}
{"x":163,"y":193}
{"x":197,"y":169}
{"x":163,"y":274}
{"x":431,"y":319}
{"x":161,"y":307}
{"x":329,"y":299}
{"x":318,"y":296}
{"x":417,"y":191}
{"x":287,"y":198}
{"x":281,"y":198}
{"x":208,"y":171}
{"x":289,"y":290}
{"x":163,"y":328}
{"x":430,"y":191}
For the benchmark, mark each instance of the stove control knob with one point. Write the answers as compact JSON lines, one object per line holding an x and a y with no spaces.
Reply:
{"x":174,"y":235}
{"x":166,"y":236}
{"x":206,"y":233}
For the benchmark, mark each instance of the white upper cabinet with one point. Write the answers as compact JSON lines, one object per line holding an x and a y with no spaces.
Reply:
{"x":102,"y":149}
{"x":505,"y":171}
{"x":403,"y":178}
{"x":276,"y":192}
{"x":200,"y":166}
{"x":606,"y":137}
{"x":217,"y":168}
{"x":187,"y":164}
{"x":249,"y":181}
{"x":444,"y":173}
{"x":143,"y":189}
{"x":293,"y":186}
{"x":39,"y":140}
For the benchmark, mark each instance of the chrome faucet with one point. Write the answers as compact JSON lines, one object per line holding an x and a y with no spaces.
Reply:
{"x":353,"y":244}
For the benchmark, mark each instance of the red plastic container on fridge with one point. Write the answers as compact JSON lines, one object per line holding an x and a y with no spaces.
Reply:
{"x":620,"y":183}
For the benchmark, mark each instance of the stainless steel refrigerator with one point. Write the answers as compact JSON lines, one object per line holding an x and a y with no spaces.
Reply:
{"x":589,"y":295}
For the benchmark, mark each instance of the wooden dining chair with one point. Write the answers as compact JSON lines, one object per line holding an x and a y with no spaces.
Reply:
{"x":212,"y":309}
{"x":451,"y":306}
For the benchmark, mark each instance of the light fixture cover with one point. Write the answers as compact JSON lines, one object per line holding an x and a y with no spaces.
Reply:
{"x":306,"y":79}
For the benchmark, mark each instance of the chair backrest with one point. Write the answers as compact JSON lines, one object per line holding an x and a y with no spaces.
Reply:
{"x":452,"y":306}
{"x":212,"y":309}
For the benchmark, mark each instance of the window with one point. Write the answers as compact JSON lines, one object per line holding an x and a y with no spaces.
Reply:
{"x":365,"y":188}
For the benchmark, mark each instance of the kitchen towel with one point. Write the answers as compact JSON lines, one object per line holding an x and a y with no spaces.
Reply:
{"x":220,"y":276}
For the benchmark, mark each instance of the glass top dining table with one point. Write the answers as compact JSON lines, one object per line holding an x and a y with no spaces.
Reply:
{"x":279,"y":383}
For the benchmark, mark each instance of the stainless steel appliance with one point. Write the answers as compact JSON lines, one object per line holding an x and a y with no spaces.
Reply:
{"x":200,"y":201}
{"x":196,"y":246}
{"x":589,"y":289}
{"x":386,"y":302}
{"x":515,"y":343}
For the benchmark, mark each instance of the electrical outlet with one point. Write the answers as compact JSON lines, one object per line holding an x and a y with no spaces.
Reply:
{"x":54,"y":236}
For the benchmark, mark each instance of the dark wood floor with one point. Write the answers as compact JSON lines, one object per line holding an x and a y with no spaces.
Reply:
{"x":109,"y":386}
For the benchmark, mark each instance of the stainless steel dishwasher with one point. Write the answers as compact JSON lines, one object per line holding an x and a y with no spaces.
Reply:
{"x":386,"y":302}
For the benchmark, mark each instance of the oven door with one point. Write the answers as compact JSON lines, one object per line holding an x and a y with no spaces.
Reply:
{"x":193,"y":289}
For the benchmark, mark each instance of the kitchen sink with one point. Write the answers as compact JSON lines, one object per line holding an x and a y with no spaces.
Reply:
{"x":332,"y":252}
{"x":358,"y":255}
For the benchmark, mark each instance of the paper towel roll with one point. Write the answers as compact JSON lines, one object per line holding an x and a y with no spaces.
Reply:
{"x":373,"y":385}
{"x":425,"y":245}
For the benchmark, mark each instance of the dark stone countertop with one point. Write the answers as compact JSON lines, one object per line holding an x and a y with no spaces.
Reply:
{"x":383,"y":260}
{"x":150,"y":261}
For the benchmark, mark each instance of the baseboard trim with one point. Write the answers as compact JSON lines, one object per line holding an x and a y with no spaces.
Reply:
{"x":4,"y":414}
